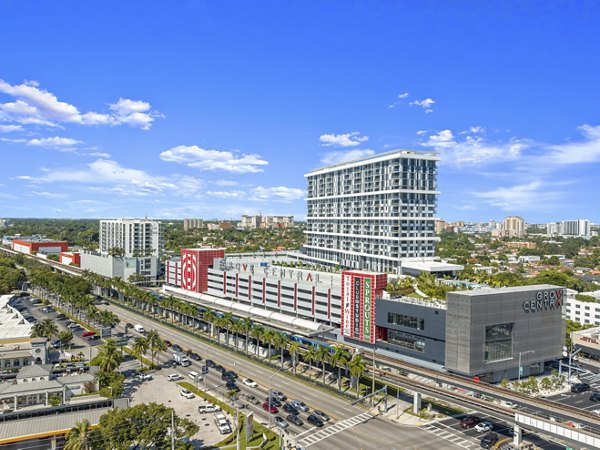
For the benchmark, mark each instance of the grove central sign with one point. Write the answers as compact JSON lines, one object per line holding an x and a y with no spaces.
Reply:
{"x":544,"y":301}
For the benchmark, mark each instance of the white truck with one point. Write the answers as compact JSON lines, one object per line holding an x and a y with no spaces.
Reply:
{"x":181,"y":359}
{"x":222,"y":423}
{"x":139,"y":328}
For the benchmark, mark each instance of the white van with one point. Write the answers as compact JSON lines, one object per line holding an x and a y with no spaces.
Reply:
{"x":195,"y":376}
{"x":139,"y":328}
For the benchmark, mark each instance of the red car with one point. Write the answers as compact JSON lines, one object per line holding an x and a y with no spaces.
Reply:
{"x":88,"y":333}
{"x":168,"y":343}
{"x":274,"y":409}
{"x":469,"y":422}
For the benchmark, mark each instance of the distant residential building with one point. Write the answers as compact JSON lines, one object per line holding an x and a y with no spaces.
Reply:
{"x":216,"y":226}
{"x":513,"y":226}
{"x":192,"y":224}
{"x":576,"y":228}
{"x":43,"y":246}
{"x":4,"y":223}
{"x":259,"y":221}
{"x":135,"y":237}
{"x":580,"y":311}
{"x":520,"y":244}
{"x":440,"y":226}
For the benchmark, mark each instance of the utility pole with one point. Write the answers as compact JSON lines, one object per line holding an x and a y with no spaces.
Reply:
{"x":373,"y":378}
{"x":172,"y":429}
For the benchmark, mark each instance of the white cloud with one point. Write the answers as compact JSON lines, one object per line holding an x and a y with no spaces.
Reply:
{"x":473,"y":150}
{"x":585,"y":151}
{"x":342,"y":140}
{"x":337,"y":157}
{"x":202,"y":159}
{"x":227,"y":194}
{"x":36,"y":106}
{"x":102,"y":155}
{"x":426,"y":104}
{"x":56,"y":142}
{"x":226,"y":183}
{"x":279,"y":193}
{"x":50,"y":195}
{"x":421,"y":132}
{"x":399,"y":99}
{"x":522,"y":197}
{"x":10,"y":128}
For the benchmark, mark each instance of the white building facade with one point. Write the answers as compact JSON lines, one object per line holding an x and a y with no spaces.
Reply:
{"x":136,"y":237}
{"x":370,"y":213}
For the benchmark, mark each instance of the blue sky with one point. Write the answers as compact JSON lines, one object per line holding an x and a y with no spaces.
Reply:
{"x":216,"y":109}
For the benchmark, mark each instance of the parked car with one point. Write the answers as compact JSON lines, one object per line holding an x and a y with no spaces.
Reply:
{"x":173,"y":377}
{"x":272,"y":410}
{"x":299,"y":405}
{"x":250,"y":383}
{"x":208,"y":408}
{"x":55,"y":343}
{"x":293,"y":418}
{"x":580,"y":387}
{"x":469,"y":421}
{"x":595,"y":396}
{"x":484,"y":426}
{"x":489,"y":440}
{"x":252,"y":399}
{"x":321,"y":415}
{"x":281,"y":422}
{"x":290,"y":409}
{"x":144,"y":376}
{"x":278,"y":395}
{"x":61,"y":317}
{"x":94,"y":337}
{"x":314,"y":420}
{"x":187,"y":394}
{"x":88,"y":333}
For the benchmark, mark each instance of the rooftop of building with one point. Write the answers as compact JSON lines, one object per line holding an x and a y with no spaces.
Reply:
{"x":35,"y":370}
{"x":507,"y":290}
{"x":392,"y":154}
{"x":12,"y":323}
{"x":430,"y":265}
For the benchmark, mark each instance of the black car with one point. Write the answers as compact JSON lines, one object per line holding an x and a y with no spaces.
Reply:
{"x":220,"y":368}
{"x":231,"y":386}
{"x":293,"y":418}
{"x":195,"y":356}
{"x":231,"y":374}
{"x":290,"y":409}
{"x":314,"y":420}
{"x":274,"y":402}
{"x":489,"y":440}
{"x":177,"y":348}
{"x":580,"y":387}
{"x":595,"y":397}
{"x":93,"y":337}
{"x":226,"y":376}
{"x":210,"y":363}
{"x":321,"y":415}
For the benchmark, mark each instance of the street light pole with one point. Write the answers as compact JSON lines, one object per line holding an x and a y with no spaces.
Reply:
{"x":270,"y":394}
{"x":520,"y":354}
{"x":373,"y":378}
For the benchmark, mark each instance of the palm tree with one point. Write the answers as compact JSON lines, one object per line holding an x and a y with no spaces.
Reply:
{"x":310,"y":356}
{"x":168,"y":304}
{"x":339,"y":359}
{"x":323,"y":357}
{"x":78,"y":438}
{"x":294,"y":348}
{"x":227,"y":323}
{"x":155,"y":343}
{"x":140,"y":347}
{"x":246,"y":326}
{"x":209,"y":317}
{"x":357,"y":366}
{"x":109,"y":356}
{"x":65,"y":337}
{"x":269,"y":338}
{"x":280,"y":341}
{"x":257,"y":333}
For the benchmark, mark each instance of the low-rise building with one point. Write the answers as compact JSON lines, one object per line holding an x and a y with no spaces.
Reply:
{"x":43,"y":246}
{"x":70,"y":258}
{"x":120,"y":266}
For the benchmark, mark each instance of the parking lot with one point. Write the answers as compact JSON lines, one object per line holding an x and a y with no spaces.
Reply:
{"x":159,"y":390}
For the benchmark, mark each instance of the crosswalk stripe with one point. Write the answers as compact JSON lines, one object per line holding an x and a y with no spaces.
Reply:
{"x":337,"y":428}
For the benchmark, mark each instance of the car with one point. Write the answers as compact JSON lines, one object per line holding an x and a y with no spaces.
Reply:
{"x":314,"y":420}
{"x":232,"y":374}
{"x":278,"y":395}
{"x":195,"y":356}
{"x":295,"y":419}
{"x":88,"y":333}
{"x":174,"y":377}
{"x":210,"y":363}
{"x":580,"y":387}
{"x":489,"y":440}
{"x":144,"y":376}
{"x":208,"y":408}
{"x":94,"y":337}
{"x":220,"y":368}
{"x":595,"y":397}
{"x":321,"y":415}
{"x":231,"y":386}
{"x":272,"y":409}
{"x":176,"y":347}
{"x":168,"y":343}
{"x":469,"y":421}
{"x":72,"y":325}
{"x":195,"y":376}
{"x":250,"y":383}
{"x":252,"y":399}
{"x":55,"y":343}
{"x":290,"y":409}
{"x":484,"y":426}
{"x":509,"y":404}
{"x":299,"y":405}
{"x":273,"y":401}
{"x":187,"y":394}
{"x":225,"y":376}
{"x":281,"y":422}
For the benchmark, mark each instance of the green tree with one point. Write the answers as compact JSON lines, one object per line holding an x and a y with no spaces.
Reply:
{"x":65,"y":338}
{"x":294,"y":349}
{"x":140,"y":347}
{"x":109,"y":356}
{"x":310,"y":355}
{"x":78,"y":438}
{"x":339,"y":359}
{"x":155,"y":344}
{"x":323,"y":358}
{"x":357,"y":366}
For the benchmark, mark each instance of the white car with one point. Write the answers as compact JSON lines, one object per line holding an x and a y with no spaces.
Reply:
{"x":144,"y":376}
{"x":173,"y":377}
{"x":250,"y":383}
{"x":195,"y":376}
{"x":209,"y":408}
{"x":511,"y":405}
{"x":187,"y":394}
{"x":299,"y":405}
{"x":483,"y":426}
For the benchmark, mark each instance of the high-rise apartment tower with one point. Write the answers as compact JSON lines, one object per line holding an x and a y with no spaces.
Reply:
{"x":370,"y":213}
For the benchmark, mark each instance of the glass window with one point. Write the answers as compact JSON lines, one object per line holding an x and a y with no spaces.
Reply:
{"x":498,"y":341}
{"x":406,"y":340}
{"x":406,"y":321}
